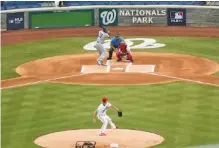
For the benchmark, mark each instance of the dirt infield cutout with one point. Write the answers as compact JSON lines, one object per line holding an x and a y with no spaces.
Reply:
{"x":148,"y":68}
{"x":123,"y":137}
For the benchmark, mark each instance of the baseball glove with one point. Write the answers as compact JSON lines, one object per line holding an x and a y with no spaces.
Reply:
{"x":120,"y":113}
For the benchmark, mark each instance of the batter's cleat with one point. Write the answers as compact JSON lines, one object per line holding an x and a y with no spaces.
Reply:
{"x":99,"y":62}
{"x":104,"y":64}
{"x":102,"y":134}
{"x":109,"y":58}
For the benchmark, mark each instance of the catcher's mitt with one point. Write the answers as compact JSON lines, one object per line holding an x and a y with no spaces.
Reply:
{"x":120,"y":113}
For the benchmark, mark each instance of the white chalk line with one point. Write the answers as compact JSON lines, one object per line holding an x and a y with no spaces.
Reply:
{"x":183,"y":79}
{"x":108,"y":68}
{"x":127,"y":67}
{"x":41,"y":81}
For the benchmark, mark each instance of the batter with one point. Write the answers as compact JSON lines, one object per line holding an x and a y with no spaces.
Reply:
{"x":99,"y":45}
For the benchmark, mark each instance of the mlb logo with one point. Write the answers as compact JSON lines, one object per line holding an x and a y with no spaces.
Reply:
{"x":11,"y":21}
{"x":176,"y":15}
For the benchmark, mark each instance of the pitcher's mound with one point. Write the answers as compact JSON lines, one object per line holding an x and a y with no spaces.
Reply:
{"x":123,"y":137}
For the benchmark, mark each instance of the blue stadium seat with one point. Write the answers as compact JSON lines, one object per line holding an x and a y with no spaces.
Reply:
{"x":150,"y":2}
{"x":196,"y":3}
{"x":10,"y":5}
{"x":72,"y":3}
{"x":2,"y":7}
{"x":98,"y":3}
{"x":85,"y":3}
{"x":138,"y":3}
{"x":163,"y":2}
{"x":126,"y":3}
{"x":176,"y":3}
{"x":116,"y":3}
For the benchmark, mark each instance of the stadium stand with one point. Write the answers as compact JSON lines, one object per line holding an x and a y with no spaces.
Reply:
{"x":6,"y":5}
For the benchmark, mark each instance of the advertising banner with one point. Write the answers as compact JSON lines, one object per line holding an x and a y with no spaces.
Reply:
{"x":143,"y":16}
{"x":108,"y":17}
{"x":176,"y":17}
{"x":15,"y":21}
{"x":65,"y":18}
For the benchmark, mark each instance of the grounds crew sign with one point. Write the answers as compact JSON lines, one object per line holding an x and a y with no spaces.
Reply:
{"x":108,"y":17}
{"x":142,"y":16}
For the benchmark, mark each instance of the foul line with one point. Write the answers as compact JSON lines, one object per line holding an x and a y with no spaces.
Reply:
{"x":127,"y":67}
{"x":41,"y":81}
{"x":183,"y":79}
{"x":82,"y":69}
{"x":108,"y":68}
{"x":153,"y":68}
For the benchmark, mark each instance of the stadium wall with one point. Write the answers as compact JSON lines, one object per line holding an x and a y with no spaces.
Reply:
{"x":126,"y":15}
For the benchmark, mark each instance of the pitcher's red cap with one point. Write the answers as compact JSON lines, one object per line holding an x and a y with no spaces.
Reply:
{"x":104,"y":99}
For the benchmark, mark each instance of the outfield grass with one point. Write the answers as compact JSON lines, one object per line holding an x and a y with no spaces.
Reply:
{"x":185,"y":114}
{"x":14,"y":55}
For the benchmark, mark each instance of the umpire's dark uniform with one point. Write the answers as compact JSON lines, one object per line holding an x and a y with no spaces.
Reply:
{"x":114,"y":44}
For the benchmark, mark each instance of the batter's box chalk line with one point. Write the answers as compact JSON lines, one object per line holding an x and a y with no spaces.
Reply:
{"x":129,"y":67}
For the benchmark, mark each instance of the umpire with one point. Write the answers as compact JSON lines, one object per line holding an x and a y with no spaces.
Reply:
{"x":114,"y":44}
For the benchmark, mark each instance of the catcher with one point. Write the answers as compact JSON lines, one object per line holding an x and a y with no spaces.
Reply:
{"x":124,"y":51}
{"x":100,"y":113}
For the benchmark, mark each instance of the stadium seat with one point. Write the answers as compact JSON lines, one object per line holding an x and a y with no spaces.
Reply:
{"x":163,"y":2}
{"x":71,"y":3}
{"x":85,"y":3}
{"x":98,"y":3}
{"x":138,"y":3}
{"x":2,"y":7}
{"x":126,"y":3}
{"x":115,"y":3}
{"x":10,"y":5}
{"x":150,"y":2}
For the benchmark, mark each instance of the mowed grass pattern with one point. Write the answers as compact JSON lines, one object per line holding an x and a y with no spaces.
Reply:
{"x":183,"y":114}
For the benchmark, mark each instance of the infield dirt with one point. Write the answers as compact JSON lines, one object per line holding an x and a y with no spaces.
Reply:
{"x":169,"y":67}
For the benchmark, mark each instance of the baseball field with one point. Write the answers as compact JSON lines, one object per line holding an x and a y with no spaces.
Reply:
{"x":43,"y":91}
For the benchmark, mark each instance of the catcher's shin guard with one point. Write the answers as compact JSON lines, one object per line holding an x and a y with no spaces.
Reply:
{"x":110,"y":55}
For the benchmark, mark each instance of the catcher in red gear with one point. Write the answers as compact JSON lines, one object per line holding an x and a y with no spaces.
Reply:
{"x":124,"y":51}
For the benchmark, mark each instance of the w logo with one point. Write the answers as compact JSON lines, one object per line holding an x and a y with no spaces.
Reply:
{"x":108,"y":17}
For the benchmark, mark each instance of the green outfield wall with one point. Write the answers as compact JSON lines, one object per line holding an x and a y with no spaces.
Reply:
{"x":56,"y":19}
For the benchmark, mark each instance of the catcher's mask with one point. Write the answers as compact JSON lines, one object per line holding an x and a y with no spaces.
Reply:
{"x":117,"y":36}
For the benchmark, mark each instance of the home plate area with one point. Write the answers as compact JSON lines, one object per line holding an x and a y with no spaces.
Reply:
{"x":115,"y":67}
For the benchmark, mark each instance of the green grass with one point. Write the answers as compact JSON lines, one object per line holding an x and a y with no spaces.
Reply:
{"x":14,"y":55}
{"x":184,"y":114}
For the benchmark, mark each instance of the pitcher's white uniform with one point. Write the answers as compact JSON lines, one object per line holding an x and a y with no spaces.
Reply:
{"x":101,"y":115}
{"x":99,"y":45}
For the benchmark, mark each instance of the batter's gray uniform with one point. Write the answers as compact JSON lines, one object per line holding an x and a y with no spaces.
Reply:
{"x":99,"y":46}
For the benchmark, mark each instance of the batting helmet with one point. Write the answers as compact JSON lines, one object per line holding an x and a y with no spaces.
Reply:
{"x":104,"y":29}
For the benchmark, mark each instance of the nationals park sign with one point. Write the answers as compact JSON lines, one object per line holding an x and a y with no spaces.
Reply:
{"x":143,"y":16}
{"x":143,"y":43}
